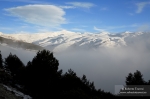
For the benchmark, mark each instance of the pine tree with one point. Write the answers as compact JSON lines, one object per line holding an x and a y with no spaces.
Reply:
{"x":135,"y":79}
{"x":12,"y":63}
{"x":43,"y":75}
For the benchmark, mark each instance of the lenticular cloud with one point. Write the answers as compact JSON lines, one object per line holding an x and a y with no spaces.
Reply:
{"x":46,"y":15}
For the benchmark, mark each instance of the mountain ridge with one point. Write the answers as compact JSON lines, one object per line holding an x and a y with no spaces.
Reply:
{"x":64,"y":39}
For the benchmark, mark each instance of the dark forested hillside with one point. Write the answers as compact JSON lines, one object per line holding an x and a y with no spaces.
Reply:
{"x":20,"y":44}
{"x":42,"y":79}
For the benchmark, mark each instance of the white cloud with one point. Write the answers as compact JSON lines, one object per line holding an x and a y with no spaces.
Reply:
{"x":78,"y":29}
{"x":98,"y":29}
{"x":140,"y":6}
{"x":108,"y":28}
{"x":44,"y":15}
{"x":67,"y":7}
{"x":81,"y":4}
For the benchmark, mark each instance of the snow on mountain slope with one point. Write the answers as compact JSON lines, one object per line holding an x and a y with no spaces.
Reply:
{"x":34,"y":37}
{"x":62,"y":40}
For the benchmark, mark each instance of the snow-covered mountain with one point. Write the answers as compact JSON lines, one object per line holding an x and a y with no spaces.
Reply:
{"x":61,"y":40}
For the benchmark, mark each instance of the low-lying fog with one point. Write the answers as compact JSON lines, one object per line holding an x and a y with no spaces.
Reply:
{"x":106,"y":67}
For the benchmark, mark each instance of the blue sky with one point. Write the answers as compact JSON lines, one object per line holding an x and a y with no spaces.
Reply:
{"x":114,"y":16}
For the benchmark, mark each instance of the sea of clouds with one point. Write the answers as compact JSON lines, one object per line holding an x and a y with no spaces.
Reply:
{"x":107,"y":67}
